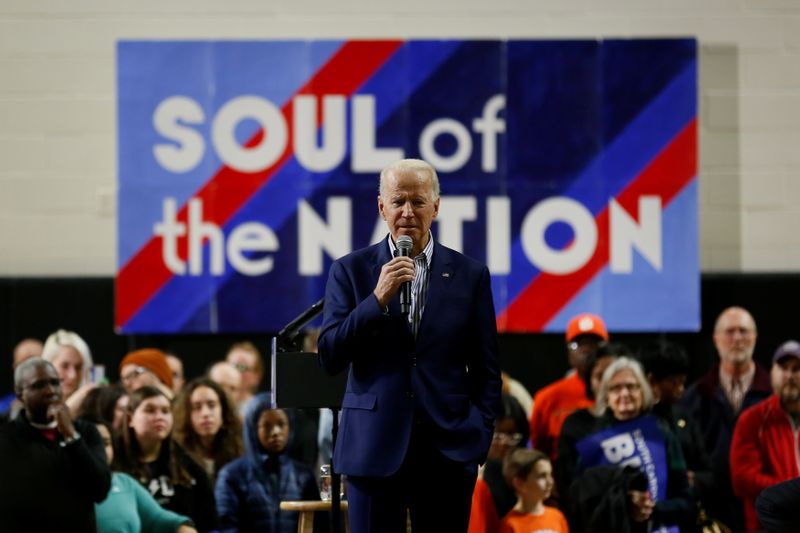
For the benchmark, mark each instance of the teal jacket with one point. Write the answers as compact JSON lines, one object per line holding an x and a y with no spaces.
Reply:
{"x":129,"y":508}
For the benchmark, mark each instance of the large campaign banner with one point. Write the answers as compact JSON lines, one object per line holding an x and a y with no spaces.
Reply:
{"x":247,"y":167}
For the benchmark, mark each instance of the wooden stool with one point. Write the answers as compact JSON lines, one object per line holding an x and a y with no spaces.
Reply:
{"x":307,"y":510}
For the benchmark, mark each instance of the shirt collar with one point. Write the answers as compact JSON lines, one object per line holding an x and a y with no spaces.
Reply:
{"x":428,"y":251}
{"x":746,"y":379}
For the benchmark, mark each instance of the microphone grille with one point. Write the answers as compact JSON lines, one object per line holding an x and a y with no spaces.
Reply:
{"x":404,"y":242}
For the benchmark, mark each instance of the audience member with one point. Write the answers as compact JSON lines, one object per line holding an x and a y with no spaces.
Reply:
{"x":107,"y":403}
{"x":249,"y":362}
{"x":27,"y":349}
{"x":555,"y":402}
{"x":52,"y":469}
{"x":226,"y":376}
{"x":493,"y":496}
{"x":71,"y":357}
{"x":716,"y":399}
{"x":207,"y":426}
{"x":764,"y":449}
{"x":249,"y":490}
{"x":146,"y":451}
{"x":627,"y":434}
{"x":147,"y":366}
{"x":531,"y":474}
{"x":666,"y":365}
{"x":583,"y":421}
{"x":24,"y":350}
{"x":176,"y":365}
{"x":128,"y":506}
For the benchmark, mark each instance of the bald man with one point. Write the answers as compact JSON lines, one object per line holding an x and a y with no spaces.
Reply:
{"x":230,"y":379}
{"x":716,"y":400}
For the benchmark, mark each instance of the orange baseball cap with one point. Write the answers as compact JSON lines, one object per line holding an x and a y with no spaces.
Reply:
{"x":586,"y":324}
{"x":153,"y":360}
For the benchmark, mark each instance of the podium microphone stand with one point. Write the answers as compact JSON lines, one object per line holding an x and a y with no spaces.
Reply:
{"x":298,"y":381}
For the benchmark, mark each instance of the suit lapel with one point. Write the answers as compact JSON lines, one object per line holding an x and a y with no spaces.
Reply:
{"x":439,"y":285}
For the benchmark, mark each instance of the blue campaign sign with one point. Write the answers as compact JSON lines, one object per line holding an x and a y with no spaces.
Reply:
{"x":247,"y":167}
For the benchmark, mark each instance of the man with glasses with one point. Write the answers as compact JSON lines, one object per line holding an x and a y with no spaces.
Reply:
{"x":555,"y":402}
{"x":230,"y":379}
{"x":53,"y":469}
{"x":147,"y":366}
{"x":246,"y":358}
{"x":717,"y":398}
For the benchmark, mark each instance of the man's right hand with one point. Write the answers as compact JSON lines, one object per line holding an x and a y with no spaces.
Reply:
{"x":59,"y":412}
{"x":393,"y":275}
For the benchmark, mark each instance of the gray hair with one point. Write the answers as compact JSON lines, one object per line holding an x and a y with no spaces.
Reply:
{"x":63,"y":337}
{"x":624,"y":363}
{"x":25,"y":367}
{"x":414,"y":165}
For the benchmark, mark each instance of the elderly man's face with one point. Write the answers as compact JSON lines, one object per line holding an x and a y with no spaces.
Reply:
{"x":786,"y":383}
{"x":40,"y":387}
{"x":408,"y":206}
{"x":735,"y":337}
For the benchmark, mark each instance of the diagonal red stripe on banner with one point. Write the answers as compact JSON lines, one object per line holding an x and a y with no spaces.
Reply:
{"x":146,"y":273}
{"x":666,"y":175}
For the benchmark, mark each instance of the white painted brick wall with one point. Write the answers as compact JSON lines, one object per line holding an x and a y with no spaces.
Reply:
{"x":57,"y":104}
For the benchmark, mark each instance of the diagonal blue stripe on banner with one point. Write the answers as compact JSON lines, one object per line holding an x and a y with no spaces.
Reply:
{"x":618,"y":164}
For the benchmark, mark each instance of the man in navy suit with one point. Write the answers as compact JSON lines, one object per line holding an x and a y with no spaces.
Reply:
{"x":424,"y":387}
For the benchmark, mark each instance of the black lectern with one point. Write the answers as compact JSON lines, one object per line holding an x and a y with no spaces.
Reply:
{"x":298,"y":381}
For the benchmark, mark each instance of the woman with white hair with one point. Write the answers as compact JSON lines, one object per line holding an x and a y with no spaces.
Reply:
{"x":628,"y":439}
{"x":70,"y":356}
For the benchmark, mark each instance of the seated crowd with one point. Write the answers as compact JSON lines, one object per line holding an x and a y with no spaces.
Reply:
{"x":619,"y":444}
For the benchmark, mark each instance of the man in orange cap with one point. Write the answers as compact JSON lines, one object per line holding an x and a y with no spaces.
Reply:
{"x":555,"y":402}
{"x":147,"y":366}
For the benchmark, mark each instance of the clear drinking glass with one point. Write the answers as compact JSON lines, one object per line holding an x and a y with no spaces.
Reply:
{"x":325,"y":483}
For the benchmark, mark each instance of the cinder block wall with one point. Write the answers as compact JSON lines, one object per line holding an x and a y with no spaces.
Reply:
{"x":57,"y":104}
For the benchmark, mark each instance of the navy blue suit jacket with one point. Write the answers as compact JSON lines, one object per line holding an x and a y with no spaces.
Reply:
{"x":449,"y":375}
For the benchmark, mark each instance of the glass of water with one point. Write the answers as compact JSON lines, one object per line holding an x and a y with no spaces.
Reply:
{"x":325,"y":482}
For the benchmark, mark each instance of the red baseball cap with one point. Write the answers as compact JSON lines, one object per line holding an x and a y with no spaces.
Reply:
{"x":586,"y":324}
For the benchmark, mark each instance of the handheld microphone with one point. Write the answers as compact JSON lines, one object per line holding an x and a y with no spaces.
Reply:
{"x":404,"y":245}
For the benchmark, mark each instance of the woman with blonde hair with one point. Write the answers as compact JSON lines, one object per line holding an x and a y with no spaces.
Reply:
{"x":72,"y":359}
